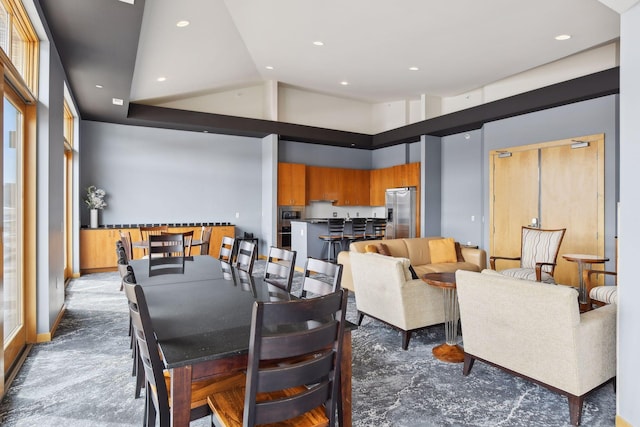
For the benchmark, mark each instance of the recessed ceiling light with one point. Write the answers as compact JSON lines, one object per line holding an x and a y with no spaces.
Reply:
{"x":414,"y":68}
{"x":117,"y":101}
{"x":205,"y":131}
{"x":127,"y":1}
{"x":269,"y":67}
{"x":182,"y":23}
{"x":318,"y":43}
{"x":344,"y":83}
{"x":161,"y":79}
{"x":99,"y":86}
{"x":563,"y":37}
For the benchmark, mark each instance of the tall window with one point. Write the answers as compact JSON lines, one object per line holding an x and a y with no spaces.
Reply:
{"x":19,"y":42}
{"x":68,"y":191}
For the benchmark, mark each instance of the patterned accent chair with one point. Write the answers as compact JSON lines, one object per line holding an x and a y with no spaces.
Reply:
{"x":538,"y":255}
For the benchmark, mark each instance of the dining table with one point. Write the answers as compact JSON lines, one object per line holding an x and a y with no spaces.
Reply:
{"x":202,"y":320}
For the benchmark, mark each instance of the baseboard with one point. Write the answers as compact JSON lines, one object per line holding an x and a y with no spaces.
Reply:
{"x":15,"y":369}
{"x":48,"y":336}
{"x":620,"y":422}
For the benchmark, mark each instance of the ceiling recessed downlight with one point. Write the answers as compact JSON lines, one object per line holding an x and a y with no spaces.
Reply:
{"x":269,"y":67}
{"x":161,"y":79}
{"x":344,"y":83}
{"x":563,"y":37}
{"x":182,"y":23}
{"x":117,"y":101}
{"x":414,"y":68}
{"x":318,"y":43}
{"x":99,"y":86}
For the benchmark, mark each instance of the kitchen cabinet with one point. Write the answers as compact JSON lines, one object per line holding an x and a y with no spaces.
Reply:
{"x":407,"y":175}
{"x":292,"y":184}
{"x":354,"y":187}
{"x":322,"y":183}
{"x":98,"y":245}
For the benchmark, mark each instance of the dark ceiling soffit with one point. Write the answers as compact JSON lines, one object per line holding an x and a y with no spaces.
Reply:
{"x":592,"y":86}
{"x":148,"y":115}
{"x":580,"y":89}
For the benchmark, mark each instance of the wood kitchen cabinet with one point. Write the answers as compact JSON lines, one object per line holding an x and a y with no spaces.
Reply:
{"x":322,"y":183}
{"x":353,"y":185}
{"x":292,"y":184}
{"x":407,"y":175}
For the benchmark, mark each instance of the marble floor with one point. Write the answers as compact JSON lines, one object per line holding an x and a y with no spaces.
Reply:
{"x":83,"y":377}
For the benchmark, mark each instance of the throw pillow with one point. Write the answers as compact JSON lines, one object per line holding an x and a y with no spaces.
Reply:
{"x":384,"y":249}
{"x":371,"y":249}
{"x":442,"y":250}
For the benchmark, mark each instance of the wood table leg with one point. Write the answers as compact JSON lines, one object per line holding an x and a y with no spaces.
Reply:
{"x":345,"y":379}
{"x":180,"y":396}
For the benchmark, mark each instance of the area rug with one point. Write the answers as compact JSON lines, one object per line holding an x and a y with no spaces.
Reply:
{"x":83,"y":377}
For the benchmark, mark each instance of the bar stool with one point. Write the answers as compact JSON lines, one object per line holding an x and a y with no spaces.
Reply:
{"x":358,"y":228}
{"x":378,"y":229}
{"x":334,"y":237}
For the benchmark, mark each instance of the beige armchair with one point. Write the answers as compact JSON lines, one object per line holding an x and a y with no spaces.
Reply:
{"x":535,"y":330}
{"x":385,"y":291}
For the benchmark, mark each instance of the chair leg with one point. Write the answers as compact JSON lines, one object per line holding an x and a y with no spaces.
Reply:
{"x":140,"y":377}
{"x":406,"y":336}
{"x":360,"y":317}
{"x":575,"y":409}
{"x":468,"y":364}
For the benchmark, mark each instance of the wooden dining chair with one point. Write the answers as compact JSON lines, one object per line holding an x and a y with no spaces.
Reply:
{"x":246,"y":255}
{"x":320,"y":277}
{"x":227,"y":250}
{"x":205,"y":238}
{"x":157,"y":380}
{"x":280,"y":267}
{"x":188,"y":238}
{"x":166,"y":254}
{"x":303,"y":387}
{"x":127,"y":243}
{"x":145,"y":232}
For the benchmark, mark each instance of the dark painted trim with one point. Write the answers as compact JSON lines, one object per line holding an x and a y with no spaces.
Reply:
{"x":580,"y":89}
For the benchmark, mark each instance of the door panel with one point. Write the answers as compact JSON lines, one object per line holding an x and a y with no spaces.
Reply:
{"x":571,"y":199}
{"x":514,"y":202}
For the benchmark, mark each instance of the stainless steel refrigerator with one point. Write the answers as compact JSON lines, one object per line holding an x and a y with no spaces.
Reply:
{"x":401,"y":212}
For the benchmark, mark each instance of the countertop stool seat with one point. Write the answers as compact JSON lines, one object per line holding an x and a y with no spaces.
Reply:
{"x":358,"y":231}
{"x":334,"y":237}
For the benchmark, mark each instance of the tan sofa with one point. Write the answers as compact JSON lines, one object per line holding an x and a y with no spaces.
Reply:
{"x":535,"y":330}
{"x":386,"y":292}
{"x":417,"y":251}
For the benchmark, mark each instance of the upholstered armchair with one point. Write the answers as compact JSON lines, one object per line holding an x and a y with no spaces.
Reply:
{"x":538,"y":254}
{"x":599,"y":295}
{"x":385,"y":291}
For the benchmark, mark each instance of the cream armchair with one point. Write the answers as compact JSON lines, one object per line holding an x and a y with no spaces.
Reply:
{"x":385,"y":291}
{"x":535,"y":330}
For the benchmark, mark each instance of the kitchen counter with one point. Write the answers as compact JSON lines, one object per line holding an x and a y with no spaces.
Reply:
{"x":176,"y":224}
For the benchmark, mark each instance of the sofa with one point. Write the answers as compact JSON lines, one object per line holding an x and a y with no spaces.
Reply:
{"x":536,"y":331}
{"x":417,"y":251}
{"x":386,"y":291}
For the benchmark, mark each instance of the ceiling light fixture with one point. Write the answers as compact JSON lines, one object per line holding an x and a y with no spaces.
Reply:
{"x":117,"y":101}
{"x":161,"y":79}
{"x":414,"y":68}
{"x":127,"y":1}
{"x":99,"y":86}
{"x":183,"y":23}
{"x":318,"y":43}
{"x":269,"y":67}
{"x":344,"y":83}
{"x":563,"y":37}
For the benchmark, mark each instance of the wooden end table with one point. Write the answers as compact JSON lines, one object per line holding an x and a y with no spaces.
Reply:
{"x":450,"y":351}
{"x":583,"y":260}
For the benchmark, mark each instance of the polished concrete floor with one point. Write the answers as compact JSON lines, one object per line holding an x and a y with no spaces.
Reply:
{"x":83,"y":377}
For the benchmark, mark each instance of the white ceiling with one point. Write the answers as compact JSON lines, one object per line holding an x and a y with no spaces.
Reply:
{"x":458,"y":45}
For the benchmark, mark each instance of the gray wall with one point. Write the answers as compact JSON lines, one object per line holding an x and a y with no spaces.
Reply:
{"x":321,"y":155}
{"x":168,"y":176}
{"x":581,"y":118}
{"x":462,"y":195}
{"x":50,"y":191}
{"x":629,"y":291}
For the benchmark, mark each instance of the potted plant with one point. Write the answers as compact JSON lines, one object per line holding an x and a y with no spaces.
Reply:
{"x":95,"y":200}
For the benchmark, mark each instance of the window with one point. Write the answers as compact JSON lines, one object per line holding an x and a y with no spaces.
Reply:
{"x":19,"y":42}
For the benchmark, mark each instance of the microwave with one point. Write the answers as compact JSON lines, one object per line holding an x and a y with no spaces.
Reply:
{"x":290,"y":214}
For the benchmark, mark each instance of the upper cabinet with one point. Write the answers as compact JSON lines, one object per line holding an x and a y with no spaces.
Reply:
{"x":407,"y":175}
{"x":292,"y":184}
{"x":354,"y":187}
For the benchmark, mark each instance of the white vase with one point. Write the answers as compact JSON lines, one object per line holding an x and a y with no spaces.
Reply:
{"x":94,"y":218}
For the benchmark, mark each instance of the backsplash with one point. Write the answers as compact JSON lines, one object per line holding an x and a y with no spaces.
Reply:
{"x":326,"y":210}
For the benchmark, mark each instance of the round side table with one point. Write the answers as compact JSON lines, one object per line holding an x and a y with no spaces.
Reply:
{"x":583,"y":260}
{"x":450,"y":351}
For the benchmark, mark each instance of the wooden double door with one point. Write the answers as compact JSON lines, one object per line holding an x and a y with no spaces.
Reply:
{"x":561,"y":185}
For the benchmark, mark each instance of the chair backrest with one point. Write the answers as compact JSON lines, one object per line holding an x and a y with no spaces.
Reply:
{"x":358,"y":227}
{"x":166,"y":254}
{"x":145,"y":232}
{"x":205,"y":237}
{"x":227,"y":249}
{"x":311,"y":374}
{"x":280,"y":267}
{"x":540,"y":246}
{"x":127,"y":244}
{"x":188,"y":238}
{"x":335,"y":227}
{"x":246,"y":254}
{"x":147,"y":345}
{"x":245,"y":281}
{"x":321,"y":277}
{"x":123,"y":262}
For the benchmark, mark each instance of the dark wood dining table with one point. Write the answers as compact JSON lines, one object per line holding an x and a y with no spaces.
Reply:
{"x":202,"y":320}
